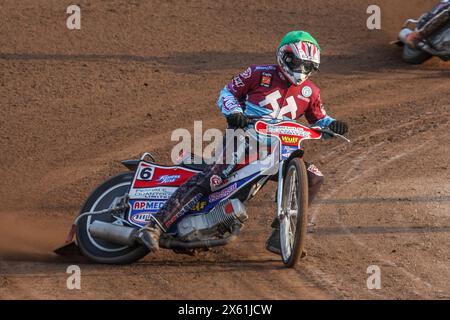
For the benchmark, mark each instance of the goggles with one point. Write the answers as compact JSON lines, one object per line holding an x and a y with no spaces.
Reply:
{"x":301,"y":66}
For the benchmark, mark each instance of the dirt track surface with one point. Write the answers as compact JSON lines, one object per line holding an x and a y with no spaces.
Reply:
{"x":75,"y":103}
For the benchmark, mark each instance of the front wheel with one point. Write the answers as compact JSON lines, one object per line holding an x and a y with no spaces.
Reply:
{"x":415,"y":56}
{"x":294,"y":205}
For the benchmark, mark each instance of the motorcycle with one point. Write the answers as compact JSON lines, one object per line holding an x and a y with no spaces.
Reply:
{"x":438,"y":44}
{"x":109,"y":219}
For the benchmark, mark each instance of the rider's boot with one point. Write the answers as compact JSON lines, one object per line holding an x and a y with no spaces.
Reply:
{"x":273,"y":243}
{"x":149,"y":236}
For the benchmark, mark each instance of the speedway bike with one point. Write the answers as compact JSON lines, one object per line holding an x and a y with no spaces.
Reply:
{"x":106,"y":227}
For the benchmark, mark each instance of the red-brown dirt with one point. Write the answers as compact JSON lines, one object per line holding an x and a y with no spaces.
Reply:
{"x":75,"y":103}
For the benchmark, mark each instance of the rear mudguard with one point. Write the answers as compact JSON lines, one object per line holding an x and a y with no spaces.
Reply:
{"x":131,"y":164}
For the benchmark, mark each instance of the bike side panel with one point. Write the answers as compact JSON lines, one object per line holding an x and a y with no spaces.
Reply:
{"x":153,"y":185}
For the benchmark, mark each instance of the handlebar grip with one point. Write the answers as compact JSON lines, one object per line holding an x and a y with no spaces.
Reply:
{"x":324,"y":130}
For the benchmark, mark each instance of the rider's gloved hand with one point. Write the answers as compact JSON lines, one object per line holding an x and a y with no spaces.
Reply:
{"x":412,"y":39}
{"x":339,"y":127}
{"x":237,"y":120}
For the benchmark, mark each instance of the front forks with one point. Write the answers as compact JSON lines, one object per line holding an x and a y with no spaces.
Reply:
{"x":280,"y":213}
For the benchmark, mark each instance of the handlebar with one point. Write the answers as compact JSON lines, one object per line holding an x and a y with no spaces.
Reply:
{"x":410,"y":21}
{"x":331,"y":133}
{"x":254,"y":119}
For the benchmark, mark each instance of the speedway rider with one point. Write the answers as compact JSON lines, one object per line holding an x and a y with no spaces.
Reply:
{"x":281,"y":91}
{"x":429,"y":23}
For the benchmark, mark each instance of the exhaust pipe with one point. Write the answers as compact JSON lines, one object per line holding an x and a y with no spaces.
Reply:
{"x":169,"y":243}
{"x":113,"y":233}
{"x":126,"y":236}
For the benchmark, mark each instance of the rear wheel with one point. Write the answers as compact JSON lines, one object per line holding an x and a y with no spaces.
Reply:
{"x":102,"y":198}
{"x":293,"y":220}
{"x":414,"y":56}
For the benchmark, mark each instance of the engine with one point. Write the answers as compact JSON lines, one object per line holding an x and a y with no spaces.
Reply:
{"x":217,"y":221}
{"x":441,"y":40}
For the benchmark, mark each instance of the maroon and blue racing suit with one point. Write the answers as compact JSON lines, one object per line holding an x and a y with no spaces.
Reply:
{"x":434,"y":20}
{"x":258,"y":91}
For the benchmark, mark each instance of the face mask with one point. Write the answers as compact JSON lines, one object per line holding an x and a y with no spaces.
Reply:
{"x":300,"y":77}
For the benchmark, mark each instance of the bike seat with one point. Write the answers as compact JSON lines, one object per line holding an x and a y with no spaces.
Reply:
{"x":193,"y":166}
{"x":193,"y":162}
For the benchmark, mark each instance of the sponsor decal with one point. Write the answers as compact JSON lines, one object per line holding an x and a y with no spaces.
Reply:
{"x":231,"y":177}
{"x":286,"y":151}
{"x":307,"y":91}
{"x":215,"y":181}
{"x":141,"y":218}
{"x":303,"y":98}
{"x":229,"y":209}
{"x":266,"y":68}
{"x":231,"y":88}
{"x":169,"y":178}
{"x":285,"y":130}
{"x":228,"y":170}
{"x":312,"y":168}
{"x":147,"y":205}
{"x":223,"y":193}
{"x":164,"y":176}
{"x":199,"y":206}
{"x":152,"y":193}
{"x":266,"y":80}
{"x":230,"y":103}
{"x":237,"y":82}
{"x":247,"y":73}
{"x":290,"y":140}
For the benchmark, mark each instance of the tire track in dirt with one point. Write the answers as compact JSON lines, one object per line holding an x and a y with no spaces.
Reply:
{"x":353,"y":174}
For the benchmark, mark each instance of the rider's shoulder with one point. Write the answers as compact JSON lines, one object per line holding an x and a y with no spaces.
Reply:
{"x":309,"y":88}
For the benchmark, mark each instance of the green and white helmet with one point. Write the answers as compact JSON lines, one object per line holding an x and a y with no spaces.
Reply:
{"x":298,"y":55}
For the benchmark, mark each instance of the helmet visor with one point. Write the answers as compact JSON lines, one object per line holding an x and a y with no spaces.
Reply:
{"x":301,"y":66}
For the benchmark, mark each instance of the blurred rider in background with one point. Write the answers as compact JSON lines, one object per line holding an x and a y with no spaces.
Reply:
{"x":429,"y":23}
